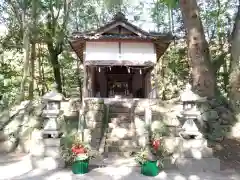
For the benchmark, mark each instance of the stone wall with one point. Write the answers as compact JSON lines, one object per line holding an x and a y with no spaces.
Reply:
{"x":94,"y":121}
{"x":216,"y":118}
{"x":17,"y":124}
{"x":162,"y":114}
{"x":219,"y":119}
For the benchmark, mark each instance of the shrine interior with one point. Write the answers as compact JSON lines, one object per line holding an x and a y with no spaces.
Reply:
{"x":119,"y":81}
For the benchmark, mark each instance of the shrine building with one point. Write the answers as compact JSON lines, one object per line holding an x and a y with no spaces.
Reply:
{"x":118,"y":59}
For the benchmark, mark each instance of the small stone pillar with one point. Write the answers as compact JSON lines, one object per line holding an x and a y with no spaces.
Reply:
{"x":52,"y":110}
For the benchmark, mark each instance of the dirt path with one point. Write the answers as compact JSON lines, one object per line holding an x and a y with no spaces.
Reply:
{"x":228,"y":151}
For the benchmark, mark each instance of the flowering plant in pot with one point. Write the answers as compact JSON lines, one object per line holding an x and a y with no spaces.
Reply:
{"x":151,"y":157}
{"x":77,"y":154}
{"x":148,"y":162}
{"x":157,"y":147}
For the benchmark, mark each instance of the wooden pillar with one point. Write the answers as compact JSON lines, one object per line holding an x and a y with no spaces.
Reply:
{"x":102,"y":83}
{"x":143,"y":85}
{"x":90,"y":72}
{"x":147,"y":84}
{"x":93,"y":76}
{"x":85,"y":81}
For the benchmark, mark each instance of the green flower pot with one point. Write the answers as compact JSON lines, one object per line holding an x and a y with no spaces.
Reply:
{"x":150,"y":168}
{"x":80,"y":166}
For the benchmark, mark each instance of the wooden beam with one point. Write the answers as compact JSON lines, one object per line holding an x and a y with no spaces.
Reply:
{"x":85,"y":81}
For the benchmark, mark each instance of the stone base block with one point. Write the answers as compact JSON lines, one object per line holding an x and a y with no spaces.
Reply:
{"x":194,"y":148}
{"x":192,"y":165}
{"x":46,"y":147}
{"x":198,"y":165}
{"x":52,"y":152}
{"x":52,"y":142}
{"x":48,"y":163}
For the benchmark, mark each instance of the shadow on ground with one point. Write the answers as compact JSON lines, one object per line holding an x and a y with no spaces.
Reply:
{"x":122,"y":173}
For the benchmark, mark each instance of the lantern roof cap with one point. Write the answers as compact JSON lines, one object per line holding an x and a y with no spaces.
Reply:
{"x":189,"y":95}
{"x":53,"y":95}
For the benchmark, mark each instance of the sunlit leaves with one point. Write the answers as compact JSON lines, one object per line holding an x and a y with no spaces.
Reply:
{"x":170,"y":3}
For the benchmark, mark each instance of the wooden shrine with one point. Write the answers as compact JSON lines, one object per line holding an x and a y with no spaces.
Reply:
{"x":118,"y":58}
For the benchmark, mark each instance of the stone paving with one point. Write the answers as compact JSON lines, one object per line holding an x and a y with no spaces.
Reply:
{"x":21,"y":169}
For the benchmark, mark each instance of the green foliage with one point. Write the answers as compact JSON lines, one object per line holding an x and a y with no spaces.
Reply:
{"x":65,"y":148}
{"x":173,"y":72}
{"x":10,"y":77}
{"x":170,"y":3}
{"x":171,"y":75}
{"x":142,"y":156}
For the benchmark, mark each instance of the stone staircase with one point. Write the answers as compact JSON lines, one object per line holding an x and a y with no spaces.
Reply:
{"x":121,"y":137}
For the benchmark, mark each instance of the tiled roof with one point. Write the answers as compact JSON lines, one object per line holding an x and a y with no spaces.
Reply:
{"x":119,"y":19}
{"x":123,"y":36}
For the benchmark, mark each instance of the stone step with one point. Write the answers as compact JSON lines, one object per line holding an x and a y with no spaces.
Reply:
{"x":125,"y":154}
{"x":121,"y":125}
{"x":120,"y":133}
{"x":119,"y":120}
{"x":115,"y":160}
{"x":113,"y":142}
{"x":94,"y":124}
{"x":130,"y":148}
{"x":119,"y":109}
{"x":121,"y":116}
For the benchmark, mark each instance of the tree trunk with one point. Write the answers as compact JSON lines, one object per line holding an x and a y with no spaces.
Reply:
{"x":26,"y":48}
{"x":203,"y":77}
{"x":234,"y":80}
{"x":56,"y":70}
{"x":33,"y":48}
{"x":32,"y":71}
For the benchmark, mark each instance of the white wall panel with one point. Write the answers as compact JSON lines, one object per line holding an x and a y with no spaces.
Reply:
{"x":138,"y":52}
{"x":130,"y":53}
{"x":101,"y":51}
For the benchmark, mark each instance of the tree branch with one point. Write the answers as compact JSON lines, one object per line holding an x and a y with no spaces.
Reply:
{"x":59,"y":44}
{"x":219,"y":61}
{"x":17,"y":14}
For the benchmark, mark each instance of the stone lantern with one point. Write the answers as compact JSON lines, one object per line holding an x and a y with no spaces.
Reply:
{"x":190,"y":113}
{"x":52,"y":110}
